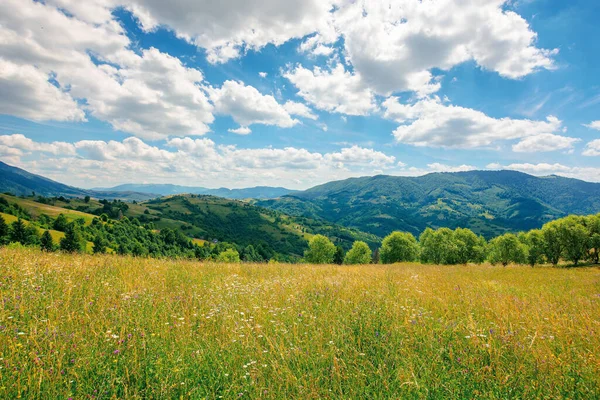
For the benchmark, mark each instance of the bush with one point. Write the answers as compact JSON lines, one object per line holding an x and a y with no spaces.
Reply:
{"x":360,"y":253}
{"x":229,"y":256}
{"x":398,"y":247}
{"x":320,"y":250}
{"x":507,"y":249}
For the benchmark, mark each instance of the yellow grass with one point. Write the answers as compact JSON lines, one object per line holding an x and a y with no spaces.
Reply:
{"x":111,"y":327}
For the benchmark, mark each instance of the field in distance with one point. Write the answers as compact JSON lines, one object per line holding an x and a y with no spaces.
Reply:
{"x":116,"y":327}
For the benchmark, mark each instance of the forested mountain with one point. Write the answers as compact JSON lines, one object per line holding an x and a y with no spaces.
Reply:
{"x":258,"y":192}
{"x":488,"y":202}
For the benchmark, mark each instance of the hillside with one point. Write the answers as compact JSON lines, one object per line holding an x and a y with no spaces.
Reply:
{"x":209,"y":218}
{"x":258,"y":192}
{"x":22,"y":183}
{"x":206,"y":218}
{"x":488,"y":202}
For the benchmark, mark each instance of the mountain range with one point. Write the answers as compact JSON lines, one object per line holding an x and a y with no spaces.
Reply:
{"x":488,"y":202}
{"x":258,"y":192}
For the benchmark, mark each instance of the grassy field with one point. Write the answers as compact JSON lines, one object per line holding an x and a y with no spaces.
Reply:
{"x":93,"y":327}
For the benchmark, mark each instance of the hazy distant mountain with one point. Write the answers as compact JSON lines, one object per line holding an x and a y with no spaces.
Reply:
{"x":22,"y":183}
{"x":259,"y":192}
{"x":489,"y":202}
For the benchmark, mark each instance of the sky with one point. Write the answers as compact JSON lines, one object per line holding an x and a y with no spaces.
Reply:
{"x":295,"y":93}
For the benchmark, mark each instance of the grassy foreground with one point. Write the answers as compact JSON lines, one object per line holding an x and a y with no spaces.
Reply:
{"x":92,"y":327}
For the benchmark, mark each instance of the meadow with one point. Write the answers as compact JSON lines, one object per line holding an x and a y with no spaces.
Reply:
{"x":105,"y":326}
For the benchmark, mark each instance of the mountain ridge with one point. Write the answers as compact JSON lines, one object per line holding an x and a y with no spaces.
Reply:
{"x":489,"y":202}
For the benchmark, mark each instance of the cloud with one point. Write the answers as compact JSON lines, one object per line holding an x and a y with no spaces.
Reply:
{"x":593,"y":125}
{"x":437,"y":167}
{"x":26,"y":93}
{"x":262,"y":74}
{"x":299,"y":109}
{"x":544,"y":142}
{"x":356,"y":155}
{"x":150,"y":94}
{"x":228,"y":27}
{"x":24,"y":144}
{"x":591,"y":174}
{"x":242,"y":130}
{"x":248,"y":106}
{"x":184,"y":160}
{"x":336,"y":90}
{"x":429,"y":122}
{"x":395,"y":44}
{"x":592,"y":148}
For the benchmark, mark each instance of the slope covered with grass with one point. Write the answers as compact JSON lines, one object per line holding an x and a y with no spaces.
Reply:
{"x":112,"y":327}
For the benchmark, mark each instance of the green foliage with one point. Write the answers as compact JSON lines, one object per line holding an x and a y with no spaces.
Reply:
{"x":60,"y":223}
{"x":360,"y":253}
{"x":507,"y":249}
{"x":99,"y":244}
{"x":439,"y":246}
{"x":17,"y":232}
{"x":553,"y":244}
{"x":338,"y":257}
{"x":249,"y":254}
{"x":574,"y":237}
{"x":320,"y":250}
{"x":4,"y":231}
{"x":46,"y":242}
{"x":593,"y":225}
{"x":471,"y":248}
{"x":534,"y":240}
{"x":72,"y":242}
{"x":399,"y":247}
{"x":229,"y":256}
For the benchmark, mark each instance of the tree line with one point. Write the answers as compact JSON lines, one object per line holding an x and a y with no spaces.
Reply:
{"x":573,"y":239}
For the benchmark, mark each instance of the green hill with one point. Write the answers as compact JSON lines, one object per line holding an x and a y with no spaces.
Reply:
{"x":488,"y":202}
{"x":210,"y":218}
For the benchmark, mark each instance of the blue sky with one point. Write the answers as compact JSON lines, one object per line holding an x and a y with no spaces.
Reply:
{"x":297,"y":93}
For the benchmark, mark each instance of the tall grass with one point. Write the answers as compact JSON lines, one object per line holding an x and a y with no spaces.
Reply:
{"x":91,"y":327}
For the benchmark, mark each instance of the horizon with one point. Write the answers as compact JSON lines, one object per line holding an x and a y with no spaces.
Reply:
{"x":100,"y":188}
{"x":102,"y":93}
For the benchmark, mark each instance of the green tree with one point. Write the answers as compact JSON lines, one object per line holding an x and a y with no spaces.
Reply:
{"x":46,"y":242}
{"x":471,"y":248}
{"x":32,"y":235}
{"x":4,"y":231}
{"x":534,"y":240}
{"x":72,"y":242}
{"x":553,"y":244}
{"x":320,"y":250}
{"x":593,"y":226}
{"x":507,"y":249}
{"x":229,"y":256}
{"x":574,"y":237}
{"x":360,"y":253}
{"x":398,"y":247}
{"x":249,"y":254}
{"x":86,"y":199}
{"x":338,"y":257}
{"x":60,"y":223}
{"x":439,"y":246}
{"x":17,"y":232}
{"x":99,"y":244}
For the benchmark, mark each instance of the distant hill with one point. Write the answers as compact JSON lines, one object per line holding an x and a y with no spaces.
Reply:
{"x":22,"y":183}
{"x":258,"y":192}
{"x":488,"y":202}
{"x":229,"y":220}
